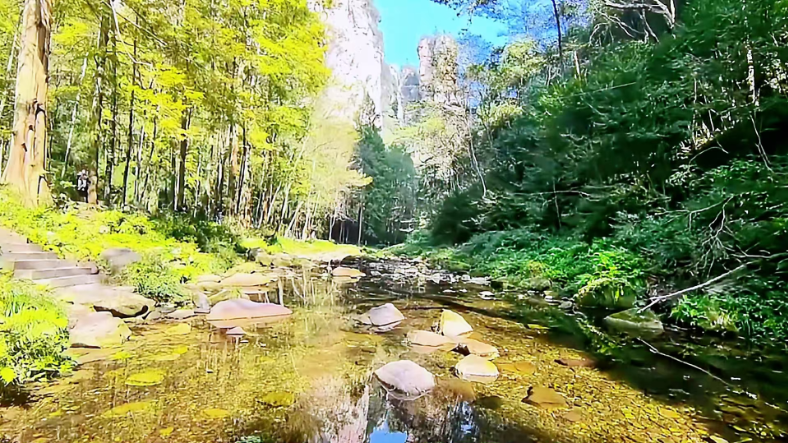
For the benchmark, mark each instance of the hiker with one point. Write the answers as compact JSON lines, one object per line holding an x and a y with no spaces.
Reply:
{"x":83,"y":183}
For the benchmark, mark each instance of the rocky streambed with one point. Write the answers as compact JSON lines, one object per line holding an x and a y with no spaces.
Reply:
{"x":390,"y":357}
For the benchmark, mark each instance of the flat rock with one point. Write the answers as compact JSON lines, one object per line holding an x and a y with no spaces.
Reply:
{"x":476,"y":347}
{"x":386,"y":315}
{"x":236,"y":332}
{"x":208,"y":278}
{"x":406,"y":379}
{"x":244,"y":309}
{"x":545,"y":398}
{"x":453,"y":325}
{"x":636,"y":323}
{"x":98,"y":330}
{"x":248,"y":280}
{"x":431,"y":340}
{"x":478,"y":369}
{"x":118,"y":302}
{"x":181,"y":314}
{"x":119,"y":258}
{"x":347,"y":272}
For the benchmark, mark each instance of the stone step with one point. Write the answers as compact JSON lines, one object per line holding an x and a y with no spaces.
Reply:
{"x":19,"y":247}
{"x":74,"y":280}
{"x":17,"y":256}
{"x":11,"y":237}
{"x":63,"y":271}
{"x":40,"y":264}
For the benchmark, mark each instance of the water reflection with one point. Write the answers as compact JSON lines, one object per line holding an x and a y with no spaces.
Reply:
{"x":308,"y":378}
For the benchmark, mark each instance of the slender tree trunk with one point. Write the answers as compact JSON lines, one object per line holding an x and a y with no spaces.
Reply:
{"x":98,"y":94}
{"x":131,"y":128}
{"x":26,"y":168}
{"x":186,"y":121}
{"x":112,"y":148}
{"x":242,"y":176}
{"x":149,"y":164}
{"x":557,"y":15}
{"x":74,"y":113}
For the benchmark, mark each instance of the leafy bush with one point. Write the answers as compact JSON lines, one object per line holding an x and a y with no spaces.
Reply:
{"x":33,"y":333}
{"x":154,"y":278}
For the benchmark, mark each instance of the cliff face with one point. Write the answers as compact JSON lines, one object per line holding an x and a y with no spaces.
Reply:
{"x":355,"y":57}
{"x":438,"y":73}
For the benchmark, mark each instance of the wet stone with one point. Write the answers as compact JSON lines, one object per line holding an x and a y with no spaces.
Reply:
{"x":453,"y":324}
{"x":576,"y":362}
{"x":477,"y":369}
{"x":347,"y":273}
{"x":545,"y":398}
{"x":406,"y":379}
{"x":385,"y":317}
{"x":428,"y":339}
{"x":475,"y":347}
{"x":636,"y":323}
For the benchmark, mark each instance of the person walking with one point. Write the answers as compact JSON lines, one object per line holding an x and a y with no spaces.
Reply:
{"x":83,"y":183}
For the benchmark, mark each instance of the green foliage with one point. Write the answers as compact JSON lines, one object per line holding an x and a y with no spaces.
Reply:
{"x":33,"y":333}
{"x":156,"y":279}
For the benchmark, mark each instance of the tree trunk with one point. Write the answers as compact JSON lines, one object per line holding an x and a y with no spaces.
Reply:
{"x":112,"y":149}
{"x":26,"y":168}
{"x":186,"y":121}
{"x":242,"y":176}
{"x":73,"y":115}
{"x":98,"y":94}
{"x":557,"y":16}
{"x":131,"y":128}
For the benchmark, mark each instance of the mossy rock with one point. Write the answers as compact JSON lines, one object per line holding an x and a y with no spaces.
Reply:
{"x":636,"y":323}
{"x":607,"y":293}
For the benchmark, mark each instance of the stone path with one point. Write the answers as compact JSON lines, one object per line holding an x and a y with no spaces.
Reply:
{"x":78,"y":283}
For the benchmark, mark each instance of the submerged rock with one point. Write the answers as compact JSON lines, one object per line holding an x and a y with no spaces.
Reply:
{"x":475,"y":347}
{"x":242,"y":309}
{"x":637,"y":323}
{"x":347,"y":272}
{"x":98,"y":330}
{"x":181,"y":314}
{"x":478,"y":369}
{"x":248,"y":280}
{"x":545,"y":398}
{"x":576,"y":362}
{"x":431,"y":340}
{"x":147,"y":378}
{"x":453,"y":325}
{"x":406,"y":379}
{"x":208,"y":278}
{"x":383,"y":318}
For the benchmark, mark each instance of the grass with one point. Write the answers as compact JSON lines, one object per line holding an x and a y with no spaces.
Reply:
{"x":282,"y":245}
{"x":33,"y":333}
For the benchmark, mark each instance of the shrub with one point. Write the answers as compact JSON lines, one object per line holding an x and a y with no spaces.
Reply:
{"x":33,"y":334}
{"x":154,"y":278}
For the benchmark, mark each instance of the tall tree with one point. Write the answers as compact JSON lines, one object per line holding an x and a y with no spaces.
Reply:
{"x":26,"y":169}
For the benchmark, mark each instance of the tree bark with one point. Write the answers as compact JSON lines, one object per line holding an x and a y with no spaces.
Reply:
{"x":113,"y":145}
{"x":557,"y":15}
{"x":186,"y":120}
{"x":131,"y":128}
{"x":26,"y":168}
{"x":74,"y":115}
{"x":98,"y":94}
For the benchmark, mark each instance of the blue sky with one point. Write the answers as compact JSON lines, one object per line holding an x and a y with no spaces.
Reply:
{"x":405,"y":22}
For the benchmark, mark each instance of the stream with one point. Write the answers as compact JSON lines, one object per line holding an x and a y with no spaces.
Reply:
{"x":308,"y":378}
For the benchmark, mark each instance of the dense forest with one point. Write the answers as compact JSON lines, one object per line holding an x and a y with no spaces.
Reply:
{"x":610,"y":149}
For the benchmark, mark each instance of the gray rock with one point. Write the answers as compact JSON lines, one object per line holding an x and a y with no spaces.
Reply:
{"x":245,"y":309}
{"x":119,"y":258}
{"x":98,"y":330}
{"x":117,"y":301}
{"x":636,"y":323}
{"x":406,"y":379}
{"x":384,"y":316}
{"x":248,"y":280}
{"x":181,"y":314}
{"x":202,"y":305}
{"x":475,"y":368}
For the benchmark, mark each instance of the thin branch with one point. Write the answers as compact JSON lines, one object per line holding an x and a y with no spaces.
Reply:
{"x":656,"y":300}
{"x":676,"y":359}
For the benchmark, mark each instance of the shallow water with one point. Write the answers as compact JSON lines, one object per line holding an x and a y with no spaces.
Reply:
{"x":308,"y":378}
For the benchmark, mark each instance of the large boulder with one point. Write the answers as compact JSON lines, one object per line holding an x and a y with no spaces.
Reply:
{"x":202,"y":305}
{"x":347,"y":273}
{"x":98,"y":330}
{"x":119,"y":302}
{"x":119,"y":258}
{"x":383,"y":318}
{"x":406,"y":379}
{"x":453,"y":325}
{"x":545,"y":398}
{"x":607,"y":293}
{"x":636,"y":322}
{"x":248,"y":280}
{"x":245,"y":309}
{"x":475,"y":347}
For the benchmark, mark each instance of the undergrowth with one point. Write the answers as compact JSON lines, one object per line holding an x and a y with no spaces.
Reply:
{"x":33,"y":334}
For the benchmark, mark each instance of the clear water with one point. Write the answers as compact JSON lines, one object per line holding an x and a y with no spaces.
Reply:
{"x":308,"y":378}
